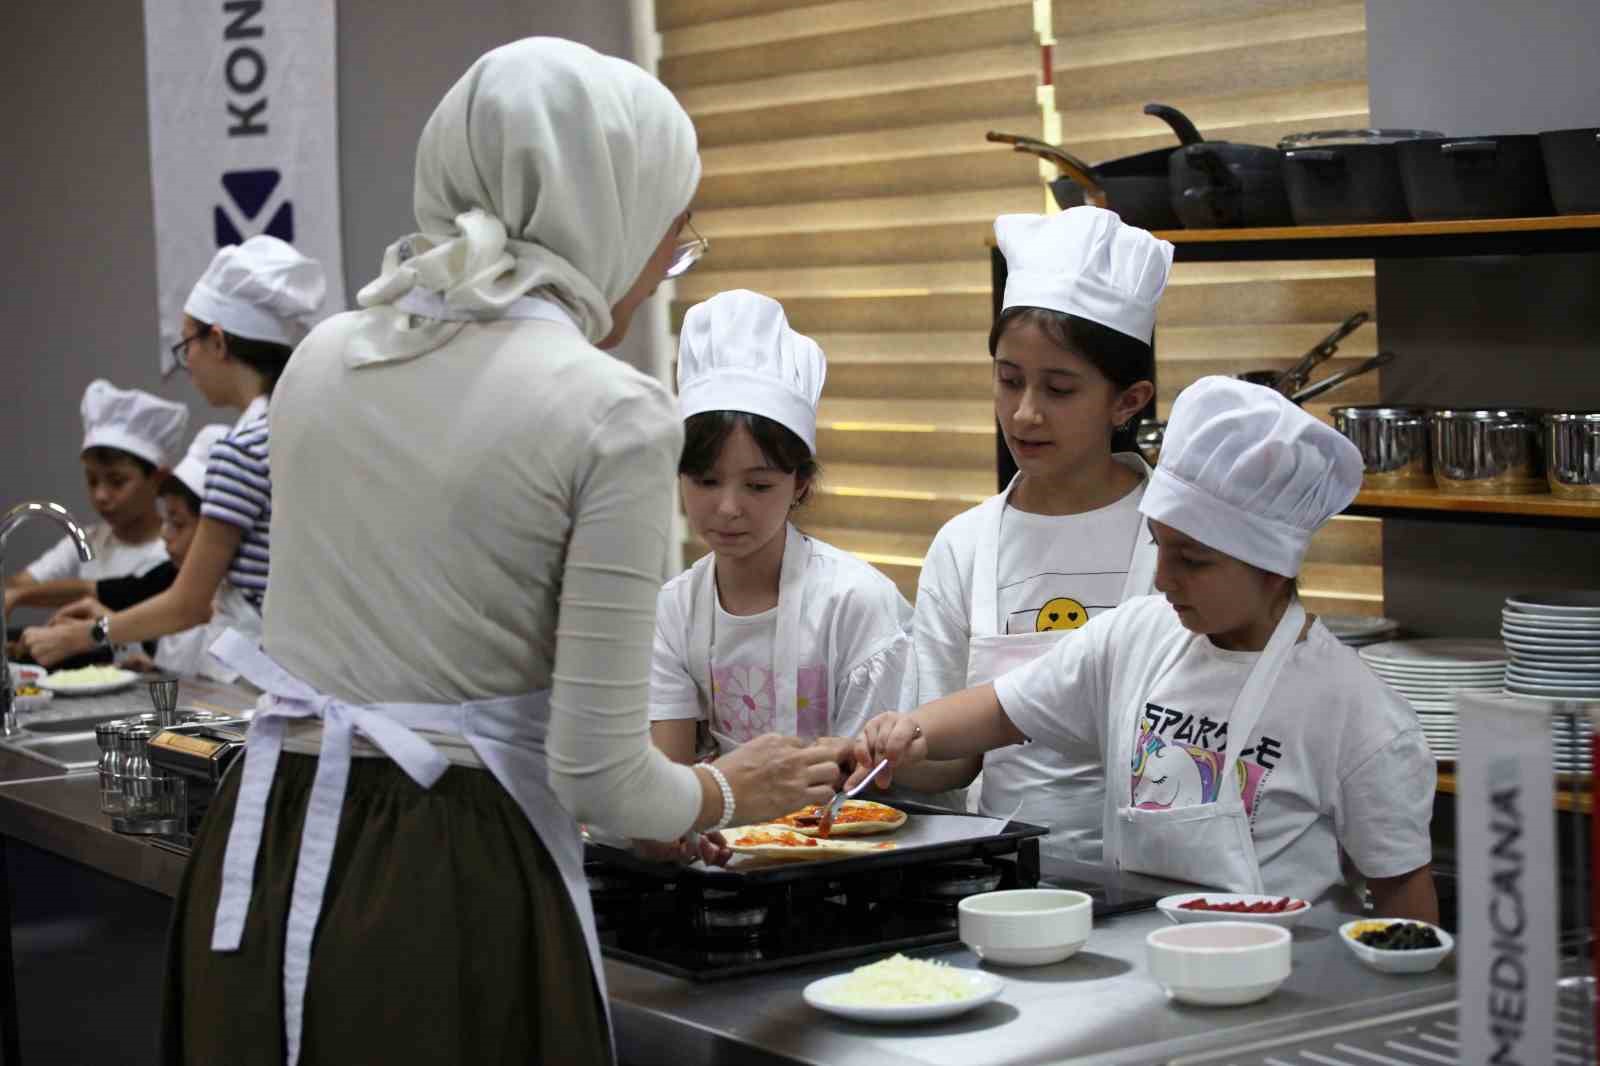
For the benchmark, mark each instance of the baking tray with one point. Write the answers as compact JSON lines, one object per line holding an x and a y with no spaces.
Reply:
{"x":1007,"y":841}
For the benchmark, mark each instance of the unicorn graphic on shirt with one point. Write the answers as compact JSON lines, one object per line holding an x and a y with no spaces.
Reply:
{"x":1167,"y":775}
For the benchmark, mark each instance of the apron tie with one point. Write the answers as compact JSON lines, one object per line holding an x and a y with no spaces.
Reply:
{"x":287,"y":697}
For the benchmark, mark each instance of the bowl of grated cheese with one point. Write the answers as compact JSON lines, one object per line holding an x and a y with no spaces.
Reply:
{"x":901,"y":989}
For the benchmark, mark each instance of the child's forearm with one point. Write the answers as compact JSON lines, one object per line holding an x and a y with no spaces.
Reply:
{"x":966,"y":723}
{"x":50,"y":593}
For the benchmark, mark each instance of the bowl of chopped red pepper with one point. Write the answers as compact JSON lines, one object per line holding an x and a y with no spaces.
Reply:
{"x":1233,"y":907}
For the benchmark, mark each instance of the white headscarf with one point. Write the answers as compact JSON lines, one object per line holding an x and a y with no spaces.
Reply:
{"x":550,"y":167}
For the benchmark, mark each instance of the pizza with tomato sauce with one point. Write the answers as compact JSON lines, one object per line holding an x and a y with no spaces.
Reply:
{"x":779,"y":842}
{"x":856,"y":818}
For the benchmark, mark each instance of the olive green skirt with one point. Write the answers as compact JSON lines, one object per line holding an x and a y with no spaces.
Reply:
{"x":445,"y":936}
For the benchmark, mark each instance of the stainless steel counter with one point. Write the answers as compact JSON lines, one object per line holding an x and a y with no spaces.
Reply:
{"x":1098,"y":1007}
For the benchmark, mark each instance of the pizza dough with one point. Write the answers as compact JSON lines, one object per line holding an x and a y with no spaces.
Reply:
{"x":856,"y":818}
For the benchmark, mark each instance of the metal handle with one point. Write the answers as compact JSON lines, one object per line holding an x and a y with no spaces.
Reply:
{"x":1314,"y":155}
{"x":1186,"y":130}
{"x":1067,"y":163}
{"x":1208,"y":161}
{"x":1469,"y":148}
{"x":1297,"y":375}
{"x":1382,"y":359}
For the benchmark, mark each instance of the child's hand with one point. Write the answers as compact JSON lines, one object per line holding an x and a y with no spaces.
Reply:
{"x":49,"y":645}
{"x":85,"y":610}
{"x":893,"y":736}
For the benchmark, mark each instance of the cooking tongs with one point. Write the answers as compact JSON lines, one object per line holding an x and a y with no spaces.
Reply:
{"x":1298,"y":376}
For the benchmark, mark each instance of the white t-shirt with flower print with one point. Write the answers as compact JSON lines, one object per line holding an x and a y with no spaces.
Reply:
{"x":854,"y":655}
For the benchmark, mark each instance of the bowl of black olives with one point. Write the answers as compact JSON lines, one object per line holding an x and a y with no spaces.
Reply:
{"x":1394,"y":945}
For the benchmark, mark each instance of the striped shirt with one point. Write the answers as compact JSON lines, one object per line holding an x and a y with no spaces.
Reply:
{"x":239,"y":492}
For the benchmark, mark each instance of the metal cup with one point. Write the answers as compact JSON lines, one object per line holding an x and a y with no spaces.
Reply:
{"x":164,"y":694}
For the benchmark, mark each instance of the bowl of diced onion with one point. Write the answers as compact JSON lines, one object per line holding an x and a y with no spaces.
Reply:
{"x":901,"y":989}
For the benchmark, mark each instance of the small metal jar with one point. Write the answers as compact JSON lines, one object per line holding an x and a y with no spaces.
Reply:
{"x":1393,"y":442}
{"x":1572,"y":450}
{"x":148,"y":795}
{"x":1488,"y":452}
{"x":108,"y":735}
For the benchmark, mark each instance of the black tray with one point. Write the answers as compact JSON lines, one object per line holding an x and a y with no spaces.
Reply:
{"x":1007,"y":841}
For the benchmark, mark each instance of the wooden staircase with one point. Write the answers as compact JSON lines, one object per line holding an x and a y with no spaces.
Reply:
{"x":846,"y":174}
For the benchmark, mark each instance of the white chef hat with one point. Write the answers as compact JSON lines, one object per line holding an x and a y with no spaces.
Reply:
{"x":1087,"y":262}
{"x":736,"y":352}
{"x":262,"y":289}
{"x":132,"y":421}
{"x":191,"y":469}
{"x":1246,"y":472}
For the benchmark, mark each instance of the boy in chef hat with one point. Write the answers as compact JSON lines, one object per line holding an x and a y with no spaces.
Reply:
{"x":1246,"y":748}
{"x":130,"y":438}
{"x":773,"y":631}
{"x":240,"y":324}
{"x":1007,"y":580}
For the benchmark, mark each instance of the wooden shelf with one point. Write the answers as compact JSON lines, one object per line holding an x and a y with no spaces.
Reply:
{"x":1391,"y":240}
{"x":1579,"y":799}
{"x":1537,"y":509}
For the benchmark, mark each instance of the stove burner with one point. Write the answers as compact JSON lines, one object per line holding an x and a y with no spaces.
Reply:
{"x":958,"y":879}
{"x":732,"y":958}
{"x":731,"y":917}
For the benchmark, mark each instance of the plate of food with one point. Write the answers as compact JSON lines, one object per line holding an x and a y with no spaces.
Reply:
{"x":856,"y":818}
{"x":88,"y":681}
{"x":1393,"y":945}
{"x":790,"y":845}
{"x":1233,"y":907}
{"x":901,"y":989}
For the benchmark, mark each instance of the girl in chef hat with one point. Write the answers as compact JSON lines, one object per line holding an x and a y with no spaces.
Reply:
{"x":773,"y":631}
{"x":240,"y":323}
{"x":1008,"y":580}
{"x":1317,"y":757}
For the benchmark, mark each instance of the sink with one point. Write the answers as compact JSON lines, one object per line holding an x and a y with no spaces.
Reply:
{"x":65,"y":751}
{"x":68,"y":725}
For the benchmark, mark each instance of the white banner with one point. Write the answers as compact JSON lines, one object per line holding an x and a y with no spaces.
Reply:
{"x":1505,"y":839}
{"x":244,"y":136}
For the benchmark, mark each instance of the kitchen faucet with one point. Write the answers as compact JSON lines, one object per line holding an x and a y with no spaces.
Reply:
{"x":9,"y":521}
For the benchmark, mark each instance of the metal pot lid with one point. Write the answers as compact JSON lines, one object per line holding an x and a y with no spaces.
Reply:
{"x":1588,"y":417}
{"x":1337,"y":138}
{"x":1379,"y":412}
{"x":1498,"y":414}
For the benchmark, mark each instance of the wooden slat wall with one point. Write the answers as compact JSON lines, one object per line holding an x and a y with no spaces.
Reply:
{"x":846,"y":174}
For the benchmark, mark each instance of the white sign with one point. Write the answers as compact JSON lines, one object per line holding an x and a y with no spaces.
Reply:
{"x":244,"y":137}
{"x":1505,"y":806}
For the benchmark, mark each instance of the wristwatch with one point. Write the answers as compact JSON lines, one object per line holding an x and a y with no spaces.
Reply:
{"x":100,"y":632}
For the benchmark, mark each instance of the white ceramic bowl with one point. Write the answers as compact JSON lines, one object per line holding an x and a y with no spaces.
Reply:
{"x":1026,"y":926}
{"x":1420,"y":960}
{"x":1219,"y":964}
{"x":1172,"y":907}
{"x":25,"y":675}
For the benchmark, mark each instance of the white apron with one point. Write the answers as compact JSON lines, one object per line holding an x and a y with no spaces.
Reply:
{"x":1037,"y":782}
{"x":1206,"y":844}
{"x":785,"y":640}
{"x":508,"y":735}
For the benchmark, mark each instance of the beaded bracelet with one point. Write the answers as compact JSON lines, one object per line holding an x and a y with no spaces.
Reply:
{"x":727,"y":797}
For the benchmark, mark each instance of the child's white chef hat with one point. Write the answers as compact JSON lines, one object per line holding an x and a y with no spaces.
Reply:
{"x":191,"y":469}
{"x":1087,"y":262}
{"x":736,"y":352}
{"x":262,"y":289}
{"x":1246,"y":472}
{"x":132,"y":421}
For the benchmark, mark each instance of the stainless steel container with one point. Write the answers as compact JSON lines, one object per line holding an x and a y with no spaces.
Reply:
{"x":108,"y":736}
{"x":1148,"y":438}
{"x":1572,"y":449}
{"x":148,"y":793}
{"x":1488,"y":452}
{"x":1393,"y":442}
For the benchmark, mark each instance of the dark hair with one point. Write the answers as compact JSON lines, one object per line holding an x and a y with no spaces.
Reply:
{"x":174,"y":487}
{"x":704,"y":435}
{"x":1124,"y":360}
{"x":104,"y":453}
{"x":267,"y":358}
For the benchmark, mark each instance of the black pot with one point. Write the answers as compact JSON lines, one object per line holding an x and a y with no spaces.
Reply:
{"x":1220,"y":185}
{"x":1346,"y":176}
{"x":1134,"y":186}
{"x":1475,"y":177}
{"x":1572,"y":163}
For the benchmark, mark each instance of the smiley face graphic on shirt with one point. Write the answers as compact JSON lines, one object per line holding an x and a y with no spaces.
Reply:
{"x":1063,"y":612}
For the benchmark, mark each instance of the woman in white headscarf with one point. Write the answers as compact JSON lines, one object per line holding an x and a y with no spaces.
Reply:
{"x":472,"y":504}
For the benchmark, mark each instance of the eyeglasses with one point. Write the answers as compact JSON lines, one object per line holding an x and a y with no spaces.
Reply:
{"x":688,"y":253}
{"x":180,"y":351}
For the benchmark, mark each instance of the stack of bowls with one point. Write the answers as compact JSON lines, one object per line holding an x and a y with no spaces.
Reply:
{"x":1554,"y":642}
{"x":1429,"y":673}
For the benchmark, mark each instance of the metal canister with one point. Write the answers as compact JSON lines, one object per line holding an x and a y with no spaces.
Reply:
{"x":1393,"y":442}
{"x":1488,"y":452}
{"x":148,"y":796}
{"x":108,"y":736}
{"x":1572,"y":452}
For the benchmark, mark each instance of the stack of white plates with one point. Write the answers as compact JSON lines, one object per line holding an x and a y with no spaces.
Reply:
{"x":1429,"y":673}
{"x":1359,"y":630}
{"x":1554,"y":642}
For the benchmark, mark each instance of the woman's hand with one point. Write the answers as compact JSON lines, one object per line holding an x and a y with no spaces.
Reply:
{"x":773,"y":775}
{"x":709,"y":848}
{"x":85,"y":610}
{"x":893,"y":736}
{"x":49,"y":645}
